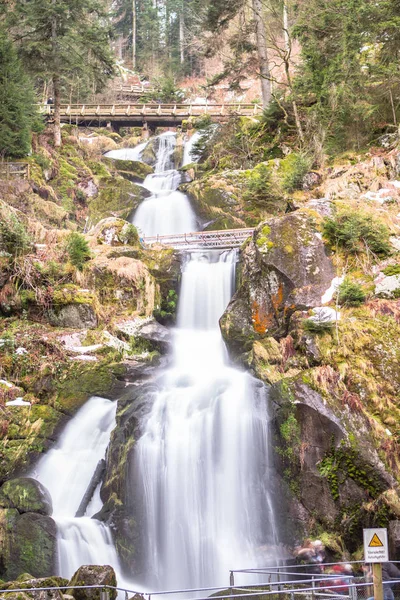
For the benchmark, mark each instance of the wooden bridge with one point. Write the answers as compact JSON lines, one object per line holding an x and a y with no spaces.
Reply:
{"x":225,"y":238}
{"x":156,"y":115}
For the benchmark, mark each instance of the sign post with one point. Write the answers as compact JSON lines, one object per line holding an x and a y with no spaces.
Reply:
{"x":376,"y":552}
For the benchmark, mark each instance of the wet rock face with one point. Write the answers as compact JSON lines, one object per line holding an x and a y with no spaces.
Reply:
{"x":328,"y":463}
{"x":27,"y":543}
{"x":93,"y":575}
{"x":26,"y":495}
{"x":285,"y":268}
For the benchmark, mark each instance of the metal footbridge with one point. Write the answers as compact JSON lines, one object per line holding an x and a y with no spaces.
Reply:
{"x":152,"y":114}
{"x":224,"y":239}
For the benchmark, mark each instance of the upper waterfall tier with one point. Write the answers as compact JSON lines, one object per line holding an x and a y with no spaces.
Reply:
{"x":167,"y":211}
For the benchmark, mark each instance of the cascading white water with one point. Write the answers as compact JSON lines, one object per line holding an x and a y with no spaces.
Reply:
{"x":203,"y":457}
{"x":127,"y":153}
{"x":66,"y":471}
{"x":188,"y":147}
{"x":167,"y":210}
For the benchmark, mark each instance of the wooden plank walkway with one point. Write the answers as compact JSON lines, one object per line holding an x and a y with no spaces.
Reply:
{"x":225,"y":238}
{"x":159,"y":114}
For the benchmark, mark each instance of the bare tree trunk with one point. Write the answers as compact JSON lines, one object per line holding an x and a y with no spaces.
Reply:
{"x":133,"y":35}
{"x":288,"y":48}
{"x":262,"y":52}
{"x":182,"y":35}
{"x":57,"y":119}
{"x":56,"y":84}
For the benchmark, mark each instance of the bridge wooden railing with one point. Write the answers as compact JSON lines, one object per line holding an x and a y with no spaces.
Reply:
{"x":146,"y":110}
{"x":9,"y":170}
{"x":225,"y":238}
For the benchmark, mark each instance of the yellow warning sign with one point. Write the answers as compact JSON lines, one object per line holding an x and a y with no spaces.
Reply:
{"x":375,"y":542}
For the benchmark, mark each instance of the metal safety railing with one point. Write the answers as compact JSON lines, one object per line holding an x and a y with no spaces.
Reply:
{"x":225,"y":238}
{"x":306,"y":586}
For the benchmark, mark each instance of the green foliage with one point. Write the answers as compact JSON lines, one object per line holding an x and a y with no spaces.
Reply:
{"x":65,"y":41}
{"x":260,"y":190}
{"x":392,"y":270}
{"x":318,"y":326}
{"x":294,"y":167}
{"x":350,"y":293}
{"x":340,"y":463}
{"x":14,"y":239}
{"x":166,"y":315}
{"x":78,"y":250}
{"x":17,"y":99}
{"x":129,"y":235}
{"x":356,"y":232}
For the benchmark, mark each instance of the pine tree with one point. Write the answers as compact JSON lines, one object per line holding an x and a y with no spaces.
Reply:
{"x":58,"y":39}
{"x":17,"y":100}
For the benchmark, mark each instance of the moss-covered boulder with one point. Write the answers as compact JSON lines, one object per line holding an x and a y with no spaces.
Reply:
{"x":118,"y":197}
{"x":285,"y":267}
{"x":26,"y":495}
{"x":27,"y":544}
{"x":26,"y":581}
{"x":77,"y":316}
{"x":93,"y":575}
{"x":115,"y":232}
{"x":124,"y":283}
{"x":134,"y":170}
{"x":335,"y":477}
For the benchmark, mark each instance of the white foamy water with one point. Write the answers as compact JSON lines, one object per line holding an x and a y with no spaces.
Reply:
{"x":167,"y":210}
{"x":127,"y":153}
{"x":188,"y":147}
{"x":203,"y":457}
{"x":66,"y":471}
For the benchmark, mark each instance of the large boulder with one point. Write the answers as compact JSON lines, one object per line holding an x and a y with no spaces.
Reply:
{"x":27,"y":582}
{"x":285,"y":267}
{"x":328,"y":460}
{"x":117,"y":197}
{"x":26,"y":495}
{"x":78,"y":316}
{"x":100,"y":575}
{"x":27,"y":544}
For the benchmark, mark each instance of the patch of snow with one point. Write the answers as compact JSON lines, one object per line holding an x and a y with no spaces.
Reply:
{"x":330,"y":292}
{"x":324,"y":314}
{"x":388,"y":432}
{"x":20,"y":351}
{"x":85,"y":357}
{"x":395,"y":183}
{"x":6,"y":383}
{"x":18,"y":402}
{"x":395,"y":241}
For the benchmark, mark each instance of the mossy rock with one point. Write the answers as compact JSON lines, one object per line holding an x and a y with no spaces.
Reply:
{"x":93,"y":575}
{"x":77,"y":316}
{"x":116,"y":198}
{"x":29,"y":543}
{"x":26,"y":495}
{"x":132,"y":169}
{"x":82,"y":382}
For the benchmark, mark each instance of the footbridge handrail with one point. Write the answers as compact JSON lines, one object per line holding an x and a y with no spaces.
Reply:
{"x":224,"y":238}
{"x":152,"y":109}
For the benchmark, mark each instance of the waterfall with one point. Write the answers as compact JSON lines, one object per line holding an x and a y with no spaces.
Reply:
{"x":201,"y":464}
{"x":66,"y":471}
{"x":167,"y":210}
{"x":188,"y":147}
{"x":127,"y":153}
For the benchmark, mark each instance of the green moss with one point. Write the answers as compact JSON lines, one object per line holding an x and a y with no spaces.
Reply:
{"x":81,"y":382}
{"x":116,"y":198}
{"x":392,"y":270}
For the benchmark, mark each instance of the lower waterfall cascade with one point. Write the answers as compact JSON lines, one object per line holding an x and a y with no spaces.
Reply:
{"x":200,"y":469}
{"x":201,"y":463}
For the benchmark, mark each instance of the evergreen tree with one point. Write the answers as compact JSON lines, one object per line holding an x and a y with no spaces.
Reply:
{"x":58,"y":39}
{"x":17,"y":100}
